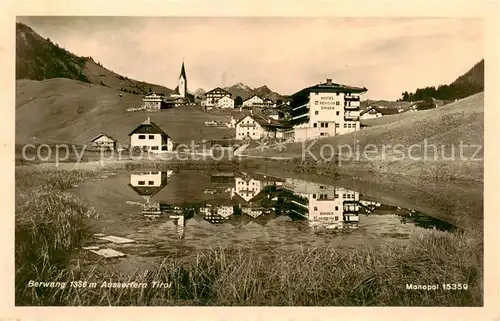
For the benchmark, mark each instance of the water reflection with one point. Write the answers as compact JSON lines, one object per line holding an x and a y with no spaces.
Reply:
{"x":239,"y":198}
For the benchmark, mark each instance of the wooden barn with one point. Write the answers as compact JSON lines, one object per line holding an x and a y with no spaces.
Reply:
{"x":103,"y":142}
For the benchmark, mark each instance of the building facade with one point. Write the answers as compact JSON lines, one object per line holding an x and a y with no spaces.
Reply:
{"x":103,"y":142}
{"x":225,"y":102}
{"x":150,"y":137}
{"x":254,"y":127}
{"x":154,"y":101}
{"x":327,"y":109}
{"x":253,"y":101}
{"x":213,"y":96}
{"x":323,"y":204}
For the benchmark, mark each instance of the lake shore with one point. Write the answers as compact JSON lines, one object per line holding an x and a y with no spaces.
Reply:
{"x":60,"y":228}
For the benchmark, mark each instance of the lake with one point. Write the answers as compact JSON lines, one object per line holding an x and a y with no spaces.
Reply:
{"x":182,"y":212}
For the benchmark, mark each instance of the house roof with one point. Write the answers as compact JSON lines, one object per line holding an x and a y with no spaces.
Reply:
{"x":217,"y":88}
{"x":383,"y":111}
{"x":148,"y":127}
{"x":103,"y":134}
{"x":302,"y":96}
{"x":263,"y":121}
{"x":253,"y":96}
{"x":147,"y":190}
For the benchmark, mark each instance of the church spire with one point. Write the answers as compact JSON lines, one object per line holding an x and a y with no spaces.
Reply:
{"x":183,"y":70}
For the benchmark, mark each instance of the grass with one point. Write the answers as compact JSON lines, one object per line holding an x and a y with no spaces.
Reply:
{"x":50,"y":226}
{"x":386,"y":148}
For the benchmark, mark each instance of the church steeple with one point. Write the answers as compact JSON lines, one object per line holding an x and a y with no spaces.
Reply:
{"x":183,"y":81}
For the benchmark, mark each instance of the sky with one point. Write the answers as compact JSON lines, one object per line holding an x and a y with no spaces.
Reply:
{"x":386,"y":55}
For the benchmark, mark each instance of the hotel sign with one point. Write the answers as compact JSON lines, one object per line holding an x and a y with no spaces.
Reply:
{"x":327,"y":102}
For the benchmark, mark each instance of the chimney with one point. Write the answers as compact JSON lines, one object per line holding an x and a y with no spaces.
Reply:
{"x":328,"y":81}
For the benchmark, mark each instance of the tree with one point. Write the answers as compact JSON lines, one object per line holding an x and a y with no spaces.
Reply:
{"x":150,"y":89}
{"x":279,"y":102}
{"x":238,"y":101}
{"x":102,"y":83}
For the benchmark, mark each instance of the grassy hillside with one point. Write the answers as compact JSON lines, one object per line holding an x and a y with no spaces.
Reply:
{"x":38,"y":59}
{"x":61,"y":109}
{"x":446,"y":127}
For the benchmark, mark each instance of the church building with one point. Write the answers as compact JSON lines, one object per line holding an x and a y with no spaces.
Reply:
{"x":180,"y":96}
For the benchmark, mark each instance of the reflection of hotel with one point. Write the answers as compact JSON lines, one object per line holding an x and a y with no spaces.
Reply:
{"x":322,"y":204}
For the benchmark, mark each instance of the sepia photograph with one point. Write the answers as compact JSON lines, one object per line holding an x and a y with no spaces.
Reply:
{"x":249,"y":161}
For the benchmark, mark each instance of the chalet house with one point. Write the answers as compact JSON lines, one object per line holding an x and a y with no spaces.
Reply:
{"x":255,"y":127}
{"x":103,"y":142}
{"x":148,"y":136}
{"x":154,"y":101}
{"x":269,"y":103}
{"x":225,"y":102}
{"x":374,"y":112}
{"x":326,"y":109}
{"x":253,"y":101}
{"x":213,"y":96}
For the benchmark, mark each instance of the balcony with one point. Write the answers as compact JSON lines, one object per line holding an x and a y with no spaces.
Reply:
{"x":351,"y":98}
{"x":351,"y":117}
{"x":355,"y":107}
{"x":247,"y":125}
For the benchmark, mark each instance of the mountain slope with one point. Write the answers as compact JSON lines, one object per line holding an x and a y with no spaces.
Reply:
{"x":66,"y":110}
{"x":38,"y":59}
{"x":245,"y":92}
{"x":470,"y":83}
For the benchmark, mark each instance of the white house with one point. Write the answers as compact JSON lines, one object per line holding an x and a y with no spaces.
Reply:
{"x":225,"y":102}
{"x":326,"y":109}
{"x":256,"y":127}
{"x":150,"y":137}
{"x":253,"y":101}
{"x":148,"y":184}
{"x":225,"y":211}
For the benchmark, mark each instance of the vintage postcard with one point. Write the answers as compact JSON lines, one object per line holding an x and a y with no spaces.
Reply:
{"x":248,"y":160}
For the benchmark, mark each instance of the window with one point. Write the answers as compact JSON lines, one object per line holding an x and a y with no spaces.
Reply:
{"x":336,"y":218}
{"x":337,"y":103}
{"x":316,"y":102}
{"x":322,"y":125}
{"x":141,"y":182}
{"x":336,"y":125}
{"x":164,"y":148}
{"x":322,"y":134}
{"x":337,"y":94}
{"x":345,"y":125}
{"x":326,"y":125}
{"x":316,"y":112}
{"x":142,"y":136}
{"x":151,"y":182}
{"x":338,"y":113}
{"x":315,"y":208}
{"x":344,"y":196}
{"x":154,"y":147}
{"x":315,"y":125}
{"x":336,"y":208}
{"x":151,"y":136}
{"x":314,"y":195}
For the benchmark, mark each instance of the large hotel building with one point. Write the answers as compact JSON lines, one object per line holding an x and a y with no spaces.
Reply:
{"x":326,"y":109}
